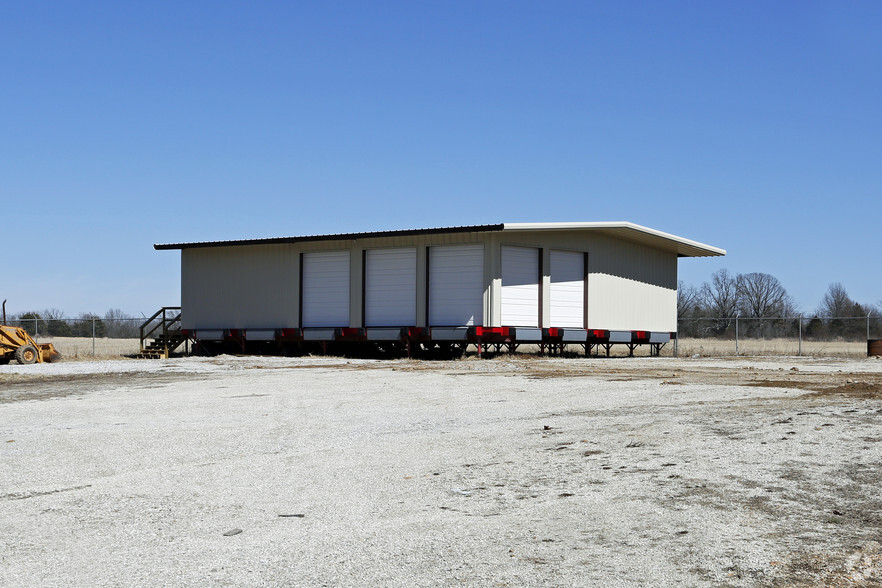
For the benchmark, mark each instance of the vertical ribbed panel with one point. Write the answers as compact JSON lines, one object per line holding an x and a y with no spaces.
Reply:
{"x":567,"y":290}
{"x":456,"y":285}
{"x":390,"y":287}
{"x":326,"y":289}
{"x":241,"y":287}
{"x":520,"y":286}
{"x":621,"y":304}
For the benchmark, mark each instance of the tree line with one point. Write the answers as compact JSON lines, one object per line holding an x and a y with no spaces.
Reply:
{"x":711,"y":309}
{"x":51,"y":322}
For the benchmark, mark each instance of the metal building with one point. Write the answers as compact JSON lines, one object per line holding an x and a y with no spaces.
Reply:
{"x":551,"y":284}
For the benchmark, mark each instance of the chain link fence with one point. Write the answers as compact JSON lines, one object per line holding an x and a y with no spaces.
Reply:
{"x":86,"y":335}
{"x":836,"y":336}
{"x":127,"y":328}
{"x":723,"y":336}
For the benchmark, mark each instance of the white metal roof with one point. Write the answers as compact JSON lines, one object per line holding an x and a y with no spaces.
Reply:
{"x":622,"y":230}
{"x":630,"y":231}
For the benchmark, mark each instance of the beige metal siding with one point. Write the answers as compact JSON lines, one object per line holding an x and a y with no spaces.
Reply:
{"x":631,"y":285}
{"x":620,"y":304}
{"x":252,"y":286}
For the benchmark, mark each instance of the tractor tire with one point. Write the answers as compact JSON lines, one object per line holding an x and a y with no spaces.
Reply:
{"x":26,"y":354}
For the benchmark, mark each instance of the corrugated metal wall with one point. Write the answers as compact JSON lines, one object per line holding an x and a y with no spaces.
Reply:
{"x":630,"y":286}
{"x":254,"y":286}
{"x":257,"y":286}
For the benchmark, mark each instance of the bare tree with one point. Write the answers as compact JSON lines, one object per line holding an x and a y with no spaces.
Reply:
{"x":120,"y":325}
{"x":762,"y":296}
{"x":836,"y":302}
{"x":55,"y":322}
{"x":720,"y":299}
{"x":688,"y":299}
{"x":838,"y":307}
{"x":53,"y":314}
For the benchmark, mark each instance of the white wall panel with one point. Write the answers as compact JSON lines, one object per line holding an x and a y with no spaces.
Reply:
{"x":520,"y":286}
{"x":326,"y":289}
{"x":390,"y":287}
{"x":567,"y":292}
{"x":617,"y":303}
{"x":456,"y":285}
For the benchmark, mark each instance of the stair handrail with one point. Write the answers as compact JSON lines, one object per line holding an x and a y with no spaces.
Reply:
{"x":168,"y":319}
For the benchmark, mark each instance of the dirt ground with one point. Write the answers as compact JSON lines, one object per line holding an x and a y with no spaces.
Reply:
{"x":243,"y":471}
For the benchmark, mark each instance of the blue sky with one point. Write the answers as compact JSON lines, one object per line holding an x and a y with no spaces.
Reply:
{"x":751,"y":126}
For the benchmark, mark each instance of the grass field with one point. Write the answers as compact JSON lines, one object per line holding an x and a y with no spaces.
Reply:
{"x":72,"y":348}
{"x":714,"y":347}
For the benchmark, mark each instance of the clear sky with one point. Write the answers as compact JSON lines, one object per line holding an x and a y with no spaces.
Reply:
{"x":754,"y":126}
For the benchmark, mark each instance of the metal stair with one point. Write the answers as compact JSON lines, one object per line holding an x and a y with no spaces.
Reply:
{"x":164,"y":328}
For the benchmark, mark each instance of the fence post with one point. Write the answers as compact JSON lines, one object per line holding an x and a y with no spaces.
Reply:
{"x":868,"y":326}
{"x":736,"y":334}
{"x":799,"y":349}
{"x":36,"y":329}
{"x":93,"y":336}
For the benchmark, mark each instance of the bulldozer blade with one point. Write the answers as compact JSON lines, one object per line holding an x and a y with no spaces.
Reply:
{"x":48,"y":352}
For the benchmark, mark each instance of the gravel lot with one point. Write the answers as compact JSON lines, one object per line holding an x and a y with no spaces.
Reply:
{"x":503,"y":472}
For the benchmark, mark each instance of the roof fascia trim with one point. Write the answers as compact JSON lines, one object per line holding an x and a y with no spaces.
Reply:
{"x":335,"y":237}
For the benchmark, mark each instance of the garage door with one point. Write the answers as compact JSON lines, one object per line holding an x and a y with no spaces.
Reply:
{"x":390,"y":287}
{"x":325,"y":301}
{"x":456,"y":286}
{"x":520,"y":286}
{"x":567,"y":296}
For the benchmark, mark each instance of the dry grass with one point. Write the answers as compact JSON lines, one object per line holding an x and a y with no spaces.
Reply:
{"x":715,"y":347}
{"x":81,"y":348}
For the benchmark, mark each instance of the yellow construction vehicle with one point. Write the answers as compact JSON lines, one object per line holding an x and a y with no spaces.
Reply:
{"x":16,"y":343}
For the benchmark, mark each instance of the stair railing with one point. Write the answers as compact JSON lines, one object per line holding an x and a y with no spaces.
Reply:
{"x":169,"y":324}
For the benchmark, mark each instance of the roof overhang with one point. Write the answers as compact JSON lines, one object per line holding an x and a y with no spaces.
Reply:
{"x":630,"y":232}
{"x":621,"y":230}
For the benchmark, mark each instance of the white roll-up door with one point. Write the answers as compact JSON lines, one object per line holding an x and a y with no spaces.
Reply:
{"x":390,"y":287}
{"x":567,"y":295}
{"x":326,"y":289}
{"x":520,"y":286}
{"x":456,"y":285}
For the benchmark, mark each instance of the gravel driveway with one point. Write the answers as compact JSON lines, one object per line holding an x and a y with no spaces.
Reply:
{"x":505,"y":472}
